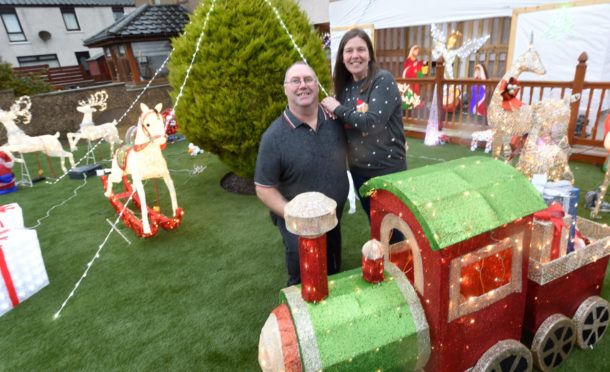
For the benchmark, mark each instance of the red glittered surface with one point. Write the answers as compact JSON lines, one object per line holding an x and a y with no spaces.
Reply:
{"x":456,"y":345}
{"x":486,"y":274}
{"x":372,"y":270}
{"x":314,"y":275}
{"x":288,"y":336}
{"x":554,"y":214}
{"x":563,"y":295}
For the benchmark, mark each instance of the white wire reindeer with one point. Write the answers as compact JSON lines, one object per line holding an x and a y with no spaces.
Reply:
{"x":144,"y":160}
{"x":20,"y":142}
{"x":88,"y":130}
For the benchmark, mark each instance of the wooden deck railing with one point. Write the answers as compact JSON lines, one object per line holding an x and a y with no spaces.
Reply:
{"x":585,"y":128}
{"x":58,"y":77}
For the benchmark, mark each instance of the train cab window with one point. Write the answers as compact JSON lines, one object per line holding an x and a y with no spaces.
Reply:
{"x":484,"y":276}
{"x":401,"y":253}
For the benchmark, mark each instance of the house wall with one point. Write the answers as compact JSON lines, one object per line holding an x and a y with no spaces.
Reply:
{"x":56,"y":111}
{"x":63,"y":43}
{"x":317,"y":10}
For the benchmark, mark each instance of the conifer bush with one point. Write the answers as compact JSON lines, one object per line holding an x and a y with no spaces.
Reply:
{"x":235,"y":88}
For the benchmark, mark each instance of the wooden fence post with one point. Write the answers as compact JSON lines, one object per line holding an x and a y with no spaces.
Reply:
{"x":439,"y":78}
{"x":577,"y":85}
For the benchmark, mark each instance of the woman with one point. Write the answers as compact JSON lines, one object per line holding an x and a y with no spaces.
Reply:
{"x":368,"y":104}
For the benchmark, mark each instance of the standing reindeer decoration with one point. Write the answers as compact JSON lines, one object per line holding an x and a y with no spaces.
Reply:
{"x":506,"y":114}
{"x":143,"y":160}
{"x":20,"y":142}
{"x":88,"y":130}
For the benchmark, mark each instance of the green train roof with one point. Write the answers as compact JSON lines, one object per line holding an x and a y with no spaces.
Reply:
{"x":459,"y":199}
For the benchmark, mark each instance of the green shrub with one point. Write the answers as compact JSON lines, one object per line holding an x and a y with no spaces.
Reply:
{"x":26,"y":85}
{"x":235,"y":87}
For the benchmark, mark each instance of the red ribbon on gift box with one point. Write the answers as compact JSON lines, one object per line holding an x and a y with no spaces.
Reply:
{"x":8,"y":280}
{"x":554,"y":214}
{"x":7,"y":207}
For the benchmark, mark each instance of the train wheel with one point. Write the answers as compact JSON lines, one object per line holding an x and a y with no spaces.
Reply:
{"x":591,"y":320}
{"x":505,"y":356}
{"x":553,"y":341}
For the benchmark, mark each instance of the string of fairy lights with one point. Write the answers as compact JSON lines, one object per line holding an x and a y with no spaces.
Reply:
{"x":294,"y":43}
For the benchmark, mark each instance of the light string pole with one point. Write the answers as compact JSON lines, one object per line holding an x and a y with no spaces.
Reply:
{"x":294,"y":43}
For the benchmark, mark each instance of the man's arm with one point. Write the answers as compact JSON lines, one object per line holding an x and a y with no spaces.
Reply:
{"x":272,"y":198}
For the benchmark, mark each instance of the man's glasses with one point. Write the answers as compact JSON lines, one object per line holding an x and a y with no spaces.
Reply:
{"x":295,"y":82}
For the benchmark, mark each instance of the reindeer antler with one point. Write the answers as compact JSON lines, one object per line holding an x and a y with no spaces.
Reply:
{"x":21,"y":109}
{"x":97,"y":99}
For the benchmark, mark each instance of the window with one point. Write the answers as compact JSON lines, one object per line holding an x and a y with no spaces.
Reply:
{"x":70,"y":19}
{"x":12,"y":25}
{"x":117,"y":12}
{"x":150,"y":56}
{"x":43,"y":59}
{"x":485,"y":276}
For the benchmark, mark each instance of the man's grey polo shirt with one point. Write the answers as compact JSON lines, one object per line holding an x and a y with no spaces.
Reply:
{"x":294,"y":158}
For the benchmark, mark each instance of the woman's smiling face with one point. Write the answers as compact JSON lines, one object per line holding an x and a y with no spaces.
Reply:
{"x":356,"y":58}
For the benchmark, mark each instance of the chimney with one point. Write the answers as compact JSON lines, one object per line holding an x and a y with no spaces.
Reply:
{"x":311,"y":215}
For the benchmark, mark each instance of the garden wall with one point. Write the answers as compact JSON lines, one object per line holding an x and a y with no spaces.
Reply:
{"x":56,"y":111}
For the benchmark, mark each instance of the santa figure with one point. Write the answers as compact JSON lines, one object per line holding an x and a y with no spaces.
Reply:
{"x":414,"y":68}
{"x":7,"y":178}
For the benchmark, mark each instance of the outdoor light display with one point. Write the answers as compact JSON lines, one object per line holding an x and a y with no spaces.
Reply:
{"x":18,"y":141}
{"x":310,"y":216}
{"x":506,"y":115}
{"x":463,"y":269}
{"x":547,"y":150}
{"x":22,"y":270}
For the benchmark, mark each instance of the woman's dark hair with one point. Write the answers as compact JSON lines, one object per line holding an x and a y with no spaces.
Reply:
{"x":341,"y":75}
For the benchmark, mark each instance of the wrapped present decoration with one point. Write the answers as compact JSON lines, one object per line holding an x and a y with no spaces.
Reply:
{"x":22,"y":270}
{"x":550,"y":234}
{"x":564,"y":193}
{"x":11,"y":216}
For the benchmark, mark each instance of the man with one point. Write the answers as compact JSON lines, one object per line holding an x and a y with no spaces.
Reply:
{"x":302,"y":150}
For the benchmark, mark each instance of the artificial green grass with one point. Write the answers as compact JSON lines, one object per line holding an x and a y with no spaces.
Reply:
{"x":190,"y":299}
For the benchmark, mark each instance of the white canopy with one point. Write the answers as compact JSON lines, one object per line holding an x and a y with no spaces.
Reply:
{"x":381,"y":14}
{"x":402,"y":13}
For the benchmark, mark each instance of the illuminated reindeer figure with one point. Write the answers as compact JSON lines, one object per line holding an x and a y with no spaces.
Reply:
{"x":506,"y":115}
{"x":88,"y":130}
{"x":143,"y":160}
{"x":546,"y":150}
{"x":20,"y":142}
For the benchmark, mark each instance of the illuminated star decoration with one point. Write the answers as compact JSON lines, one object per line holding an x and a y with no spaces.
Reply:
{"x":440,"y":49}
